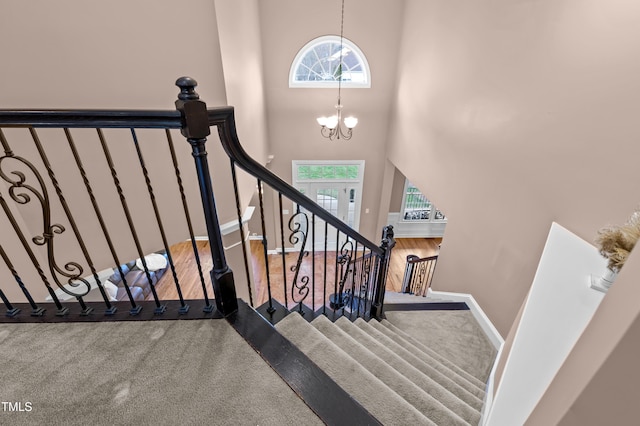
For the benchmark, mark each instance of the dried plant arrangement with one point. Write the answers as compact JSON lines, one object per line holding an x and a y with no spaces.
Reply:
{"x":616,"y":242}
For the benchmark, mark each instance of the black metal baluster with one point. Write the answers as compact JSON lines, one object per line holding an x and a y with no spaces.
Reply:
{"x":313,"y":263}
{"x":270,"y":309}
{"x":36,"y":311}
{"x":350,"y":275}
{"x":367,"y":279}
{"x":135,"y":308}
{"x":110,"y":308}
{"x":362,"y":285}
{"x":11,"y":310}
{"x":335,"y":281}
{"x":284,"y":259}
{"x":345,"y":298}
{"x":62,"y":310}
{"x":241,"y":227}
{"x":208,"y":307}
{"x":324,"y":289}
{"x":355,"y":296}
{"x":184,"y":308}
{"x":125,"y":208}
{"x":195,"y":128}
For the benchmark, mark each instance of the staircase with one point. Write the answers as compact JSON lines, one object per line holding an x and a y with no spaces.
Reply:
{"x":395,"y":377}
{"x":389,"y":372}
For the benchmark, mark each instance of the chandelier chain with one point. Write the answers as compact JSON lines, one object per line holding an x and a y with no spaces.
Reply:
{"x":331,"y":127}
{"x":341,"y":52}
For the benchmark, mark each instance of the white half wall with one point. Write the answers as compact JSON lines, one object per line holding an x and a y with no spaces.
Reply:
{"x":417,"y":229}
{"x":558,"y":309}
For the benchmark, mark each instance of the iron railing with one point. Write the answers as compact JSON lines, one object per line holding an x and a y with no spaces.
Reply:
{"x":353,"y":272}
{"x":311,"y":291}
{"x":418,"y":274}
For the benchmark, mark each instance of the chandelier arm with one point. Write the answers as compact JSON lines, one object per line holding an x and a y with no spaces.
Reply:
{"x":326,"y":132}
{"x":345,"y":136}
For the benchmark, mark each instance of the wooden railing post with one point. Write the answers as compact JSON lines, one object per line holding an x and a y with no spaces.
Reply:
{"x":195,"y":127}
{"x":388,"y":242}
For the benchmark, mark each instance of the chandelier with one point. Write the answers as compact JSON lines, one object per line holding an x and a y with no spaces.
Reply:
{"x":331,"y":127}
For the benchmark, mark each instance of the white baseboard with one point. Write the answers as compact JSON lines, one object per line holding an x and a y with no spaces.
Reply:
{"x":278,"y":250}
{"x":492,"y":334}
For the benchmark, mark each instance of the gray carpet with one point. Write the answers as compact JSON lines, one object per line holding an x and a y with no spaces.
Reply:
{"x":157,"y":372}
{"x":369,"y":390}
{"x":453,"y":334}
{"x":390,"y":373}
{"x":413,"y":350}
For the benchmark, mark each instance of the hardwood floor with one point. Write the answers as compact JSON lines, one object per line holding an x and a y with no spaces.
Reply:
{"x":421,"y":247}
{"x":187,"y":273}
{"x":321,"y":282}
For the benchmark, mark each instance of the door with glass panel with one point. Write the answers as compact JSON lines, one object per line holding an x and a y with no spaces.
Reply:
{"x":336,"y":187}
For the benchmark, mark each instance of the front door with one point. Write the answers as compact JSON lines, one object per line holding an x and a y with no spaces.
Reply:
{"x":336,"y":187}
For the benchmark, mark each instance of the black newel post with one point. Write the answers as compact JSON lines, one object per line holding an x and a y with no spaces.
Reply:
{"x":195,"y":127}
{"x":383,"y":269}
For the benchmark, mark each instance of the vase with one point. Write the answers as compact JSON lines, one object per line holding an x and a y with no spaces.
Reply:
{"x":604,"y":282}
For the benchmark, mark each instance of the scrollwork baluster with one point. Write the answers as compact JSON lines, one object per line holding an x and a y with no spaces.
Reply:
{"x":299,"y":287}
{"x":341,"y":298}
{"x":62,"y":310}
{"x":366,"y":277}
{"x":73,"y":271}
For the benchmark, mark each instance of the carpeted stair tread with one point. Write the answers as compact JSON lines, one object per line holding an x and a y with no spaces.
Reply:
{"x":375,"y":396}
{"x":446,"y":391}
{"x":424,"y":402}
{"x":400,"y":336}
{"x":420,"y":359}
{"x":457,"y":384}
{"x":454,"y":334}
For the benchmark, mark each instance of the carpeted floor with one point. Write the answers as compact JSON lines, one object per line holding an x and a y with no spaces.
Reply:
{"x":153,"y":372}
{"x":453,"y":334}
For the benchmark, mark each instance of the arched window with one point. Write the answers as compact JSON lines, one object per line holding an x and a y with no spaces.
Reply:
{"x":317,"y":64}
